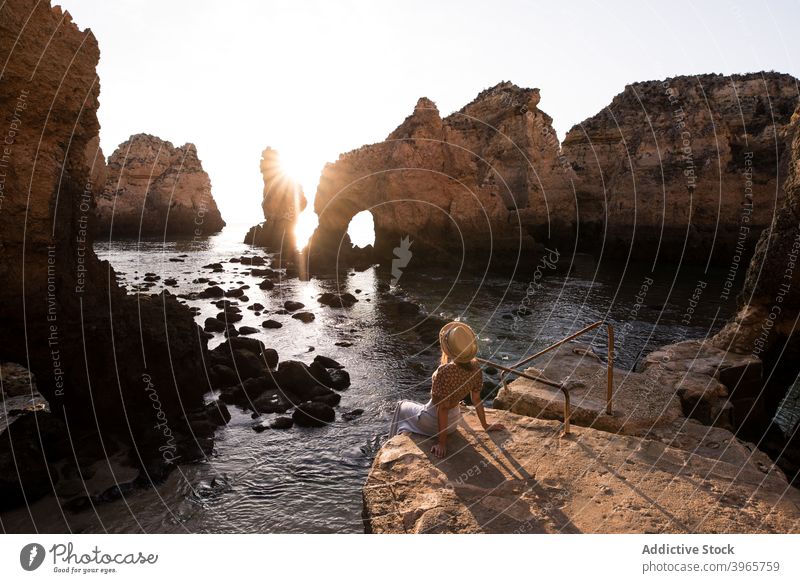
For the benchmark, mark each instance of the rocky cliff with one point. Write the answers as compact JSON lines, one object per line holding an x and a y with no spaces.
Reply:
{"x":688,"y":163}
{"x":685,"y":163}
{"x":101,"y":358}
{"x":457,"y":185}
{"x":154,"y":188}
{"x":282,"y":202}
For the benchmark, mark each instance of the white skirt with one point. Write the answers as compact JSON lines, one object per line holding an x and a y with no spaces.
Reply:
{"x":417,"y":418}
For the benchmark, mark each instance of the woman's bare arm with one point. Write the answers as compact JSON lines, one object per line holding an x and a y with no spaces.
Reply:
{"x":475,"y":396}
{"x":440,"y":449}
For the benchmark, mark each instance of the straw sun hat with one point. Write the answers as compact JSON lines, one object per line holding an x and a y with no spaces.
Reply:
{"x":458,"y":341}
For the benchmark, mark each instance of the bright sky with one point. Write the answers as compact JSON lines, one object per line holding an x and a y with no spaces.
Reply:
{"x":316,"y":78}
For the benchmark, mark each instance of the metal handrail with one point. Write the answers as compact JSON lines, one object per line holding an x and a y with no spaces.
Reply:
{"x":567,"y":409}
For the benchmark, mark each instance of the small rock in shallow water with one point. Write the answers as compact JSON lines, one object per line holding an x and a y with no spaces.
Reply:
{"x":350,"y":415}
{"x":332,"y":300}
{"x":282,"y":423}
{"x":327,"y":362}
{"x":266,"y":284}
{"x":271,"y":324}
{"x":248,"y":330}
{"x":293,"y":306}
{"x":304,"y":317}
{"x":313,"y":414}
{"x":340,"y":379}
{"x":211,"y":292}
{"x":214,"y":325}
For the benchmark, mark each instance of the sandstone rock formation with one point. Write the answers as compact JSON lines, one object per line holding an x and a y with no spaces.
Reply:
{"x":691,"y":163}
{"x":529,"y":479}
{"x":101,"y":358}
{"x":454,"y":185}
{"x":154,"y":188}
{"x":764,"y":329}
{"x":283,"y":201}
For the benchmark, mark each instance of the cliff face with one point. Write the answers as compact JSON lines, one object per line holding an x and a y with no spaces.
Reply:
{"x":770,"y":300}
{"x":97,"y":354}
{"x":154,"y":188}
{"x":458,"y":184}
{"x":683,"y":163}
{"x":686,"y":163}
{"x":283,"y":201}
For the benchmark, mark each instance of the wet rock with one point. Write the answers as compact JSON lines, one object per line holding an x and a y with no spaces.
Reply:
{"x":229,"y":316}
{"x":248,"y":330}
{"x":213,"y":291}
{"x":327,"y":362}
{"x":234,"y":293}
{"x":220,"y":375}
{"x":313,"y":414}
{"x":251,"y":260}
{"x":305,"y":317}
{"x":214,"y":266}
{"x":214,"y":325}
{"x":255,"y":307}
{"x":333,"y":300}
{"x":272,"y":401}
{"x":266,"y":284}
{"x":350,"y":415}
{"x":271,"y":324}
{"x":260,"y":427}
{"x":343,"y":344}
{"x":28,"y":447}
{"x":200,"y":280}
{"x":218,"y":413}
{"x":320,"y":374}
{"x":293,"y":306}
{"x":231,"y":331}
{"x":340,"y":379}
{"x":265,"y":272}
{"x":294,"y":376}
{"x":282,"y":423}
{"x":171,"y":281}
{"x":244,"y":299}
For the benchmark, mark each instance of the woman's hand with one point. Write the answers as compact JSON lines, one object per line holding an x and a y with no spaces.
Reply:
{"x":495,"y":427}
{"x":439,"y":450}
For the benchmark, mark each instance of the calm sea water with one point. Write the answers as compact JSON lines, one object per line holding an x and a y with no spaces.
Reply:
{"x":309,"y":480}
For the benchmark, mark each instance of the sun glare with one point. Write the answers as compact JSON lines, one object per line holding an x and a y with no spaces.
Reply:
{"x":305,"y":226}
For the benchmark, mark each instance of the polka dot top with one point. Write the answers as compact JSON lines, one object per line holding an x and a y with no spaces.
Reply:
{"x":452,"y":382}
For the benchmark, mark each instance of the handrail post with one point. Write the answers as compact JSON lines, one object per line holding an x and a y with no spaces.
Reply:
{"x":567,"y":409}
{"x":610,"y":373}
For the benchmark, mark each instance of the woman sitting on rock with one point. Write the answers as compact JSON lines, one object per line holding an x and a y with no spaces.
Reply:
{"x":458,"y":375}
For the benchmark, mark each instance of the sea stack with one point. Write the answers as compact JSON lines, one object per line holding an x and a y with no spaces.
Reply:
{"x":282,"y":202}
{"x":156,"y":189}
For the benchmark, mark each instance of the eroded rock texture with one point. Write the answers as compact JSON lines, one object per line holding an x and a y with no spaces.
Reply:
{"x":460,"y":185}
{"x":154,"y":188}
{"x":530,"y":479}
{"x":103,"y":359}
{"x":678,"y":166}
